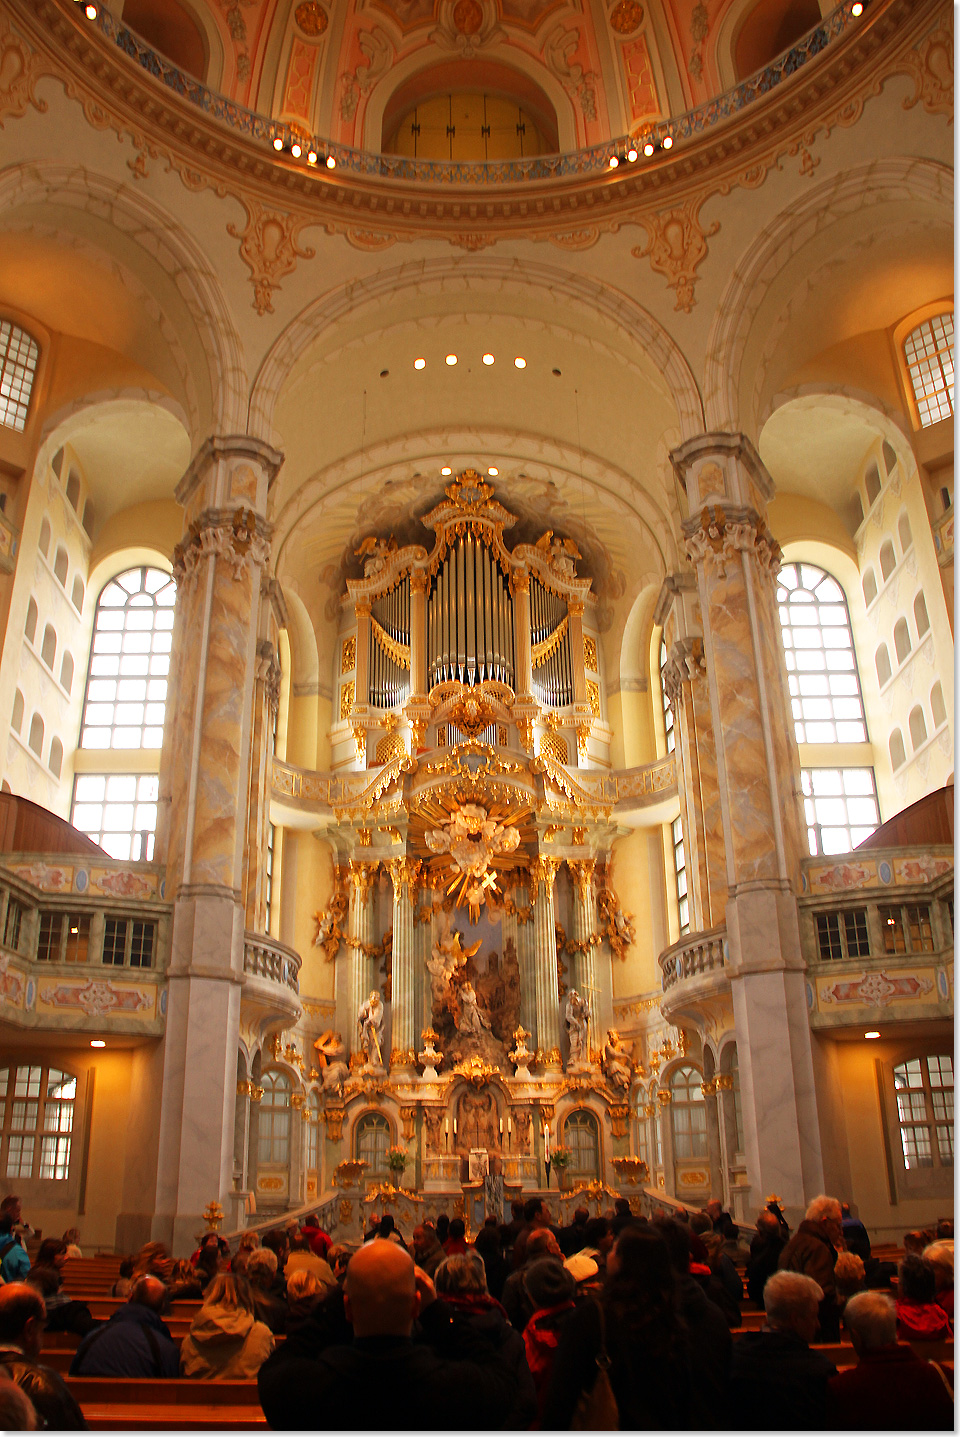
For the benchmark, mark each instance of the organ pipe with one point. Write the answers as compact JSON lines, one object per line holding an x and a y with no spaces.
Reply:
{"x":470,"y":617}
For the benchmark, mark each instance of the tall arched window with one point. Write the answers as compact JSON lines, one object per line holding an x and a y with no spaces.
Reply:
{"x":898,"y":755}
{"x":36,"y":1121}
{"x":888,"y":558}
{"x":882,"y":660}
{"x":901,"y":639}
{"x":275,"y":1111}
{"x":903,"y":530}
{"x":688,"y":1113}
{"x":920,"y":615}
{"x":370,"y":1142}
{"x":582,"y":1136}
{"x":18,"y":366}
{"x":124,"y":708}
{"x":671,"y":737}
{"x":928,"y":350}
{"x":33,"y":615}
{"x":918,"y":727}
{"x":937,"y":706}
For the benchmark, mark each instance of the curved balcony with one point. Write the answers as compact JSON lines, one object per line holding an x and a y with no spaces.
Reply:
{"x":694,"y":977}
{"x":271,"y":983}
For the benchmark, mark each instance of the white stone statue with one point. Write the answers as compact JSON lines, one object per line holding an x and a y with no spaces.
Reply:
{"x":446,"y":956}
{"x":617,"y":1067}
{"x":577,"y":1016}
{"x":471,"y":1020}
{"x":370,"y":1023}
{"x":332,"y":1056}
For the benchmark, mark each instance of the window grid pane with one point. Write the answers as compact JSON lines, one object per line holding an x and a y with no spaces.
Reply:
{"x":118,"y":811}
{"x":828,"y":936}
{"x":142,"y":944}
{"x":929,"y":355}
{"x":671,"y":737}
{"x":855,"y":932}
{"x":820,"y":657}
{"x":924,"y":1092}
{"x":18,"y":365}
{"x":680,"y":871}
{"x":840,"y":806}
{"x":114,"y":940}
{"x":38,"y":1122}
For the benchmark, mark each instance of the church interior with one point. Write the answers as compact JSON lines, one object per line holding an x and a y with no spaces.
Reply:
{"x":476,"y":595}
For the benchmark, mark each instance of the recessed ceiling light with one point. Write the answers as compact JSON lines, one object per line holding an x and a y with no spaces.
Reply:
{"x":331,"y":163}
{"x":90,"y":11}
{"x":312,"y":157}
{"x":493,"y":471}
{"x":446,"y":469}
{"x":856,"y":10}
{"x":97,"y":1043}
{"x":488,"y":359}
{"x":520,"y":363}
{"x":648,"y":148}
{"x":874,"y":1034}
{"x":451,"y":359}
{"x":557,"y":373}
{"x":384,"y":373}
{"x":419,"y":364}
{"x":668,"y":142}
{"x":632,"y":153}
{"x":277,"y":142}
{"x":614,"y":162}
{"x":295,"y":150}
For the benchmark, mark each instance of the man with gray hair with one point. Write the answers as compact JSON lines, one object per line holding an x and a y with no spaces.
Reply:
{"x":776,"y":1380}
{"x":890,"y":1388}
{"x":813,"y":1251}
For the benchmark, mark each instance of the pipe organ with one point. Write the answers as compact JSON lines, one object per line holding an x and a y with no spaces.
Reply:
{"x":389,"y":665}
{"x":471,"y":637}
{"x":470,"y":617}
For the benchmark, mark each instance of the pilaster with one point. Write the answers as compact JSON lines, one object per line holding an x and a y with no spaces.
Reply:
{"x":546,"y":985}
{"x":406,"y":1030}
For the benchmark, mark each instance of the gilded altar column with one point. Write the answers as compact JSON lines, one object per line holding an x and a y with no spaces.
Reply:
{"x":585,"y":952}
{"x":220,"y":568}
{"x":359,"y":942}
{"x":736,"y":561}
{"x":403,"y":1005}
{"x":546,"y":984}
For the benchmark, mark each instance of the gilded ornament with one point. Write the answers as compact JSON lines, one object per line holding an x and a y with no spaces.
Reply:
{"x":348,"y":655}
{"x":590,"y":657}
{"x":593,"y":694}
{"x":311,"y":18}
{"x":626,"y":16}
{"x":346,"y":700}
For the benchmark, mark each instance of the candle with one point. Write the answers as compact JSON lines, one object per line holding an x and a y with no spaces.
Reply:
{"x":501,"y":1127}
{"x":446,"y":1126}
{"x":454,"y":1127}
{"x":509,"y":1125}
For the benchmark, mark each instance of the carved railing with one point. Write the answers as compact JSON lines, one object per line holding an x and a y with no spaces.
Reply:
{"x":689,"y":126}
{"x":700,"y":953}
{"x":265,"y":957}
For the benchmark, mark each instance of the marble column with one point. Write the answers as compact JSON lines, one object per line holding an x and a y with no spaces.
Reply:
{"x":265,"y":702}
{"x":523,"y":656}
{"x":546,"y":985}
{"x":403,"y":1007}
{"x":736,"y":560}
{"x":359,"y":941}
{"x":219,"y":566}
{"x":418,"y":632}
{"x":718,"y":1168}
{"x":585,"y":954}
{"x":523,"y":935}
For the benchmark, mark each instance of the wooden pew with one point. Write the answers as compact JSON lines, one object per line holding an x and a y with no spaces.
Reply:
{"x":197,"y":1417}
{"x":172,"y":1404}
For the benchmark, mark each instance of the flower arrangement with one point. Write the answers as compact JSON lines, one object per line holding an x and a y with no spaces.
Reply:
{"x":560,"y":1157}
{"x":396,"y":1158}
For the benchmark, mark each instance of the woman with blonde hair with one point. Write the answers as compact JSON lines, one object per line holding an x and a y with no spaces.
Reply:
{"x":225,"y":1340}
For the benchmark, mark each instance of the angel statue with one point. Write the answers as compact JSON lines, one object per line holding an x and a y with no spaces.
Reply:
{"x":370,"y":1023}
{"x":472,"y":1020}
{"x":617,"y":1066}
{"x":446,"y":957}
{"x":576,"y":1016}
{"x":332,"y":1062}
{"x":559,"y":553}
{"x":375,"y":552}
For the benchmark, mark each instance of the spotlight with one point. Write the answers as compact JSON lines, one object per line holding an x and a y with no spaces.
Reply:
{"x":648,"y":148}
{"x":488,"y":359}
{"x":278,"y":142}
{"x":493,"y":471}
{"x":331,"y":163}
{"x":295,"y":150}
{"x":668,"y":142}
{"x":446,"y":470}
{"x":632,"y":153}
{"x":312,"y":157}
{"x":520,"y":363}
{"x":873,"y":1034}
{"x":90,"y":11}
{"x":451,"y":359}
{"x":419,"y":364}
{"x":96,"y":1042}
{"x":614,"y":162}
{"x":856,"y":10}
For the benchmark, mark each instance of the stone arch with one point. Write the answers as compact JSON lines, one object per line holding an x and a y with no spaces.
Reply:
{"x":185,"y":269}
{"x":855,"y":190}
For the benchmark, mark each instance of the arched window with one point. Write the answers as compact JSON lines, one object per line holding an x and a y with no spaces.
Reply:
{"x":883,"y":665}
{"x":61,"y":565}
{"x":45,"y":538}
{"x":888,"y":558}
{"x":668,"y":730}
{"x":901,"y":639}
{"x":688,"y":1113}
{"x":928,"y":350}
{"x":937,"y":706}
{"x":371,"y":1138}
{"x":821,"y":663}
{"x":924,"y":1088}
{"x":55,"y":757}
{"x":889,"y":456}
{"x":88,"y":519}
{"x":680,"y":870}
{"x":16,"y":720}
{"x":582,"y":1136}
{"x":872,"y":480}
{"x":66,"y":671}
{"x":918,"y":727}
{"x":920,"y":615}
{"x":898,"y":754}
{"x":903,"y":531}
{"x":18,"y":366}
{"x":77,"y":594}
{"x":869,"y":585}
{"x":275,"y":1111}
{"x":73,"y":489}
{"x":30,"y":627}
{"x":36,"y":734}
{"x":48,"y":649}
{"x":37,"y":1106}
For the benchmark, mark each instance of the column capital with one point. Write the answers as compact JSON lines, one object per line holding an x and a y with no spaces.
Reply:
{"x":720,"y":467}
{"x":582,"y":870}
{"x":240,"y":536}
{"x":233,"y":466}
{"x":722,"y":531}
{"x":404,"y":872}
{"x":418,"y":581}
{"x":361,"y":877}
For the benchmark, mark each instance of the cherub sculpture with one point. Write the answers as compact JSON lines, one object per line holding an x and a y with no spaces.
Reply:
{"x":617,"y":1066}
{"x":375,"y":553}
{"x":332,"y":1061}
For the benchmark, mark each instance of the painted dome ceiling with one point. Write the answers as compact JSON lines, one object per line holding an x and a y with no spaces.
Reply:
{"x":471,"y":79}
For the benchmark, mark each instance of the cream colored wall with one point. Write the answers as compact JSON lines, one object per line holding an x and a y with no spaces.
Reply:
{"x":637,"y":876}
{"x":307,"y":886}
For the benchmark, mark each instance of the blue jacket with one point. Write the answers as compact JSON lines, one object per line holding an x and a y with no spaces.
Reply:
{"x":134,"y":1343}
{"x":16,"y":1263}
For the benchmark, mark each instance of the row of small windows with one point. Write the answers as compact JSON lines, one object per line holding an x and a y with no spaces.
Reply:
{"x":48,"y":649}
{"x":918,"y":727}
{"x":36,"y":736}
{"x":905,"y":928}
{"x":902,"y":642}
{"x":888,"y":560}
{"x":126,"y":943}
{"x":873,"y":484}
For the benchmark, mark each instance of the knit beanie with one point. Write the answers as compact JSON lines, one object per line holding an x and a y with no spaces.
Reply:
{"x":548,"y":1282}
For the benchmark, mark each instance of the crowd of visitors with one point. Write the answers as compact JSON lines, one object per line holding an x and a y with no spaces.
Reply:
{"x":611,"y":1321}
